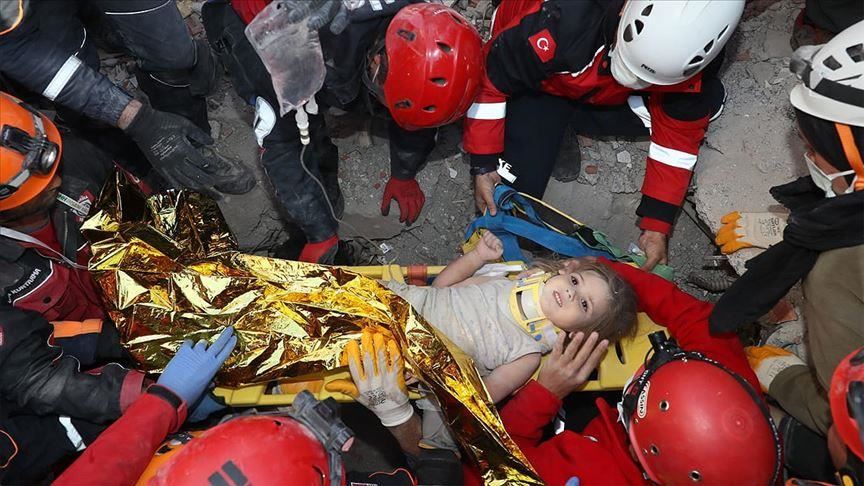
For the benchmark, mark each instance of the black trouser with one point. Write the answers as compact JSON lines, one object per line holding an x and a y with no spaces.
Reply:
{"x":834,"y":15}
{"x":298,"y":197}
{"x":154,"y":32}
{"x":535,"y":128}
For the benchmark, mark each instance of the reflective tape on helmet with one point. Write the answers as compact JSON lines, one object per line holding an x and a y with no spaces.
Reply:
{"x":62,"y":77}
{"x":488,"y":111}
{"x":668,"y":156}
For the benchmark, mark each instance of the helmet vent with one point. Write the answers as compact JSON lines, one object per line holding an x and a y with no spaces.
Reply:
{"x":708,"y":46}
{"x":664,"y":406}
{"x":406,"y":34}
{"x":403,"y":104}
{"x":439,"y":81}
{"x":695,"y":476}
{"x":856,"y":52}
{"x":832,"y":63}
{"x":696,"y":60}
{"x":444,"y":47}
{"x":690,"y":71}
{"x":722,"y":32}
{"x":655,"y":451}
{"x":647,"y":10}
{"x":429,"y":109}
{"x":639,"y":26}
{"x":628,"y":34}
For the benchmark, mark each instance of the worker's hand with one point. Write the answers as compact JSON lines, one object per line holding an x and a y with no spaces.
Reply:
{"x":768,"y":361}
{"x":192,"y":369}
{"x":489,"y":248}
{"x":321,"y":12}
{"x":167,"y":142}
{"x":747,"y":230}
{"x":567,"y":368}
{"x":408,"y":195}
{"x":379,"y":382}
{"x":484,"y":192}
{"x":654,"y":244}
{"x":207,"y":405}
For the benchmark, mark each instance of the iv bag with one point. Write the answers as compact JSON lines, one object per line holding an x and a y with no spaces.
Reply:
{"x":291,"y":52}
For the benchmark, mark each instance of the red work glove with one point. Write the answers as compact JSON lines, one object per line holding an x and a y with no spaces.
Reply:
{"x":408,"y":195}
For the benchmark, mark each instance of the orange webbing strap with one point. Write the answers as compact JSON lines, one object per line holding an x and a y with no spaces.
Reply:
{"x":417,"y":274}
{"x":68,"y":329}
{"x":852,"y":153}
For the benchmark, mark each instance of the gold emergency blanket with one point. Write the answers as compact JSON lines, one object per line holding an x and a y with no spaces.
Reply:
{"x":169,"y":270}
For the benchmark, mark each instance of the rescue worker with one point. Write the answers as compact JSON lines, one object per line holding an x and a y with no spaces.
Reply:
{"x":123,"y":451}
{"x":421,"y":61}
{"x":674,"y":425}
{"x":43,"y":255}
{"x":49,"y":409}
{"x":604,"y":68}
{"x":823,"y":242}
{"x":44,"y":48}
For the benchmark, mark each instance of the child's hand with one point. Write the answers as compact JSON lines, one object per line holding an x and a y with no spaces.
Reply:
{"x":489,"y":248}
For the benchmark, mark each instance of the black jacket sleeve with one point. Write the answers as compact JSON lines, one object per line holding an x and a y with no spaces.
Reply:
{"x":39,"y":52}
{"x":35,"y":376}
{"x":409,"y":149}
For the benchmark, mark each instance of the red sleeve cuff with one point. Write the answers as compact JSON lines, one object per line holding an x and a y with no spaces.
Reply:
{"x":541,"y":397}
{"x":651,"y":224}
{"x":132,"y":388}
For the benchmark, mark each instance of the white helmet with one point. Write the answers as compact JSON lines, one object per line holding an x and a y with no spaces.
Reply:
{"x":832,"y":78}
{"x":667,"y":41}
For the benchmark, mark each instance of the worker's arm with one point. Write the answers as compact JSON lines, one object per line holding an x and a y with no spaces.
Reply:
{"x":122,"y":452}
{"x":32,"y":57}
{"x":36,"y":377}
{"x":686,"y":318}
{"x":507,"y":378}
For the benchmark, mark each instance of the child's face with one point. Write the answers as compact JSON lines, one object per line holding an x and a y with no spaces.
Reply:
{"x":573,"y":299}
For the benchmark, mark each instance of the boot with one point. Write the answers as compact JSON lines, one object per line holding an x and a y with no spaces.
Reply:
{"x":569,"y":162}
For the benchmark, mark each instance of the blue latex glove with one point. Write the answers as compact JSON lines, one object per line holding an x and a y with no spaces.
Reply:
{"x":574,"y":481}
{"x":192,"y":369}
{"x":206,"y":406}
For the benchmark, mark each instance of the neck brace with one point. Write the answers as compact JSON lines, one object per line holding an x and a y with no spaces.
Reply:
{"x":525,"y":307}
{"x":623,"y":75}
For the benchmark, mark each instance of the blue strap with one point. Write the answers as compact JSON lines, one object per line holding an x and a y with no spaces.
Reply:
{"x":507,"y":227}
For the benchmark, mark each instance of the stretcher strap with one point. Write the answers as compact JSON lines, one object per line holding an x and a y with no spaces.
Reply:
{"x":417,"y":274}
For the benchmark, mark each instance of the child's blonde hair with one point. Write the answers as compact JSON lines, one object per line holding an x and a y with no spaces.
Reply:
{"x":619,"y":321}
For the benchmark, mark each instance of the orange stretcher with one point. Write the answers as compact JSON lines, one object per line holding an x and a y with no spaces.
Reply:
{"x":622,"y":360}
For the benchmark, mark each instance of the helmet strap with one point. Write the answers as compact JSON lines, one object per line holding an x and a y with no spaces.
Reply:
{"x":853,"y":155}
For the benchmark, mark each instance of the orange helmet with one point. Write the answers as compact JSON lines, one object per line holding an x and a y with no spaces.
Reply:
{"x":30,"y":148}
{"x":691,"y":420}
{"x":302,"y":448}
{"x":847,"y":401}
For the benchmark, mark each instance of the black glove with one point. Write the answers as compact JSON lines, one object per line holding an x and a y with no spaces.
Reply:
{"x":320,"y":13}
{"x":167,"y":142}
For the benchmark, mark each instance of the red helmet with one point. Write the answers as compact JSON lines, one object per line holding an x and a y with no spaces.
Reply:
{"x":264,"y":449}
{"x":690,"y":420}
{"x":435,"y":64}
{"x":847,"y":401}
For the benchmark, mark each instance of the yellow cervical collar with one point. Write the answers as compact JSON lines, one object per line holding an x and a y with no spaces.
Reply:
{"x":525,"y":307}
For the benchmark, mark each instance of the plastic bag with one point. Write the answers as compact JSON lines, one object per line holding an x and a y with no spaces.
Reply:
{"x":291,"y":52}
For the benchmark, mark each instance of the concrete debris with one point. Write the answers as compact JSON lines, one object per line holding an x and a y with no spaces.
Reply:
{"x":777,"y":44}
{"x":623,"y":158}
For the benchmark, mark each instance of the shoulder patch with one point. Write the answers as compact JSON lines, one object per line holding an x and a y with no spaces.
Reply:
{"x":544,"y":45}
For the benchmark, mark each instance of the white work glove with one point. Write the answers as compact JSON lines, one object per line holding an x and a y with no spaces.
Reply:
{"x":379,"y":383}
{"x":747,"y":230}
{"x":769,"y":361}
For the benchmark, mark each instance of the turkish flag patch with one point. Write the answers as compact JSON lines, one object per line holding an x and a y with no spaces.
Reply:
{"x":544,"y":45}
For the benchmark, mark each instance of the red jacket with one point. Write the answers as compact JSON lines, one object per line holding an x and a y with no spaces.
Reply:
{"x":600,"y":454}
{"x":124,"y":450}
{"x":561,"y":47}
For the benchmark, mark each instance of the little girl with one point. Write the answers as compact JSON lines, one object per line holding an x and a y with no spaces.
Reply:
{"x":505,"y":325}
